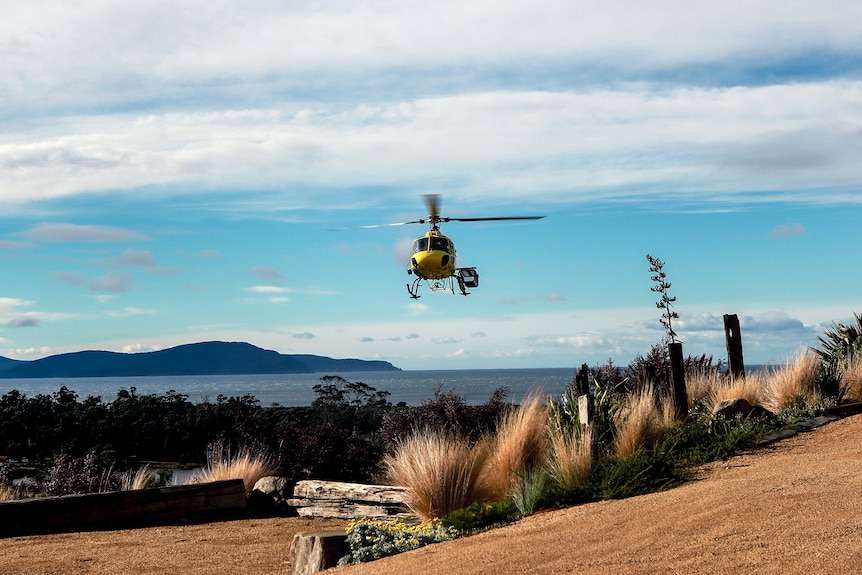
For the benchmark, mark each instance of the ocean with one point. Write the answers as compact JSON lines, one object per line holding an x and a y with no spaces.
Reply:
{"x":411,"y":387}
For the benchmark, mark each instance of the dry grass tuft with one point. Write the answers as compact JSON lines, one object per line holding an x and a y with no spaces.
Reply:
{"x":750,"y":388}
{"x":642,"y":420}
{"x":8,"y":493}
{"x":571,"y":458}
{"x":699,"y":385}
{"x":140,"y":479}
{"x":442,"y":472}
{"x":792,"y":384}
{"x":247,"y":464}
{"x":519,"y":446}
{"x":852,"y":379}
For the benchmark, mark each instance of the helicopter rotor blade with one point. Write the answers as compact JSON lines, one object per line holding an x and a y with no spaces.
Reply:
{"x":491,"y":219}
{"x":378,"y":226}
{"x":433,"y":203}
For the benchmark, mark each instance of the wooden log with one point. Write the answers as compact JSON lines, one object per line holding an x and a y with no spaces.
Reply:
{"x":121,"y":509}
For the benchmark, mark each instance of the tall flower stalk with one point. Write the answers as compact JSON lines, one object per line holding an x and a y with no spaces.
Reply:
{"x":666,"y":302}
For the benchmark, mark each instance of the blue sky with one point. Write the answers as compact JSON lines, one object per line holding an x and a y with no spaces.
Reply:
{"x":171,"y":171}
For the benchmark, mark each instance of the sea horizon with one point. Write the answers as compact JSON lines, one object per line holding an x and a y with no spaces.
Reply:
{"x":292,"y":390}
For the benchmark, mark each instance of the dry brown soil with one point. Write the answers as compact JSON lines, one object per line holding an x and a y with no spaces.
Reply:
{"x":792,"y":507}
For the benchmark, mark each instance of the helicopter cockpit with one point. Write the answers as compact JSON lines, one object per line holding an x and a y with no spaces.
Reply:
{"x":437,"y":243}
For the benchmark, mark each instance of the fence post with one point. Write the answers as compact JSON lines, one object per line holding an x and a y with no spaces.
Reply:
{"x":587,"y":410}
{"x":677,"y":367}
{"x":733,"y":337}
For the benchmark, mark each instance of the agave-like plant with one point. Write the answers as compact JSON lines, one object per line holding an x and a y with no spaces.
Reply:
{"x":840,"y":344}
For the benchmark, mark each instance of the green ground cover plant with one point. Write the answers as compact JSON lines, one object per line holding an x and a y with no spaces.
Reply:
{"x":371,"y":539}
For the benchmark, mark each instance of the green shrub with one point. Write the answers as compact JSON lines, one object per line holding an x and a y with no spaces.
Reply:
{"x":371,"y":539}
{"x":481,"y":515}
{"x":530,"y":491}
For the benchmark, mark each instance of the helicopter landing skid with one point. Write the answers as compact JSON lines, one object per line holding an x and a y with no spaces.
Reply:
{"x":413,"y":289}
{"x":448,"y":284}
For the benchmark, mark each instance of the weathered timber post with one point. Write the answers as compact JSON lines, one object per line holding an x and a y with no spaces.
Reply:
{"x":733,"y":337}
{"x":587,"y":410}
{"x":582,"y":380}
{"x":677,"y":368}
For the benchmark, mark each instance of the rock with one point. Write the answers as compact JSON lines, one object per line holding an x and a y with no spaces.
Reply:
{"x":348,"y":500}
{"x":314,"y":551}
{"x":269,"y":497}
{"x":727,"y":409}
{"x":274,"y":486}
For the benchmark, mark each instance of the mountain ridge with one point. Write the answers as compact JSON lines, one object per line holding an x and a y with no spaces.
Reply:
{"x":204,"y":358}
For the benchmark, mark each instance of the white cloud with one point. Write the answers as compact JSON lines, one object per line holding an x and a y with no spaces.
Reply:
{"x":209,"y":254}
{"x":111,"y":282}
{"x":772,"y":322}
{"x":268,"y":274}
{"x":71,"y":278}
{"x":131,"y":312}
{"x":268,"y":289}
{"x":10,"y":305}
{"x":133,"y":257}
{"x":63,"y":232}
{"x":630,"y":143}
{"x":11,"y":246}
{"x":787,"y":231}
{"x":24,"y":321}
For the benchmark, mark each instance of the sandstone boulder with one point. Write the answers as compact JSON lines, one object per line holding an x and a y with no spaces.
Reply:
{"x":314,"y":551}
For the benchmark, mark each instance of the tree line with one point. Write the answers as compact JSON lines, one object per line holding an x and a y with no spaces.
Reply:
{"x":342,"y":435}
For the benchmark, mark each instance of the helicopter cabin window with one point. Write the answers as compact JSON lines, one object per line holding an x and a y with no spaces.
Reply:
{"x":420,"y":245}
{"x":441,"y":244}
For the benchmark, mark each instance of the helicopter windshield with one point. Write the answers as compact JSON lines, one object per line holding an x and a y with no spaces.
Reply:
{"x":441,"y":244}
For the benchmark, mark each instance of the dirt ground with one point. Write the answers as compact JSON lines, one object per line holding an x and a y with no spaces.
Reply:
{"x":792,"y":507}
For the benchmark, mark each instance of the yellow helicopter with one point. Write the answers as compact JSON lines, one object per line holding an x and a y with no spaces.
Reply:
{"x":432,"y":256}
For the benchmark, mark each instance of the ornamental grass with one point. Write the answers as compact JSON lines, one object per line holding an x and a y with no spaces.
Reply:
{"x":571,"y":456}
{"x":750,"y":388}
{"x":441,"y":471}
{"x":142,"y":478}
{"x":793,"y":384}
{"x":642,"y":420}
{"x":248,"y":464}
{"x":519,"y":447}
{"x":851,"y":377}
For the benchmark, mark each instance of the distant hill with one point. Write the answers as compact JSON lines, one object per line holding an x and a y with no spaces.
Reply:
{"x":208,"y":358}
{"x":6,"y":363}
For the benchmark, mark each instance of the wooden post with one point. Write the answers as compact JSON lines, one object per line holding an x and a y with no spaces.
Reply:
{"x":582,"y":380}
{"x":677,"y":367}
{"x":587,"y":410}
{"x":733,"y":337}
